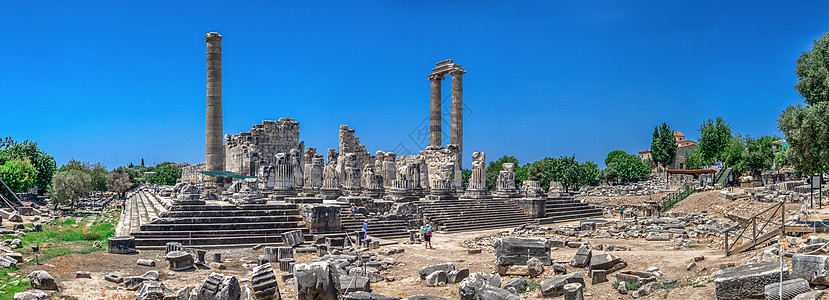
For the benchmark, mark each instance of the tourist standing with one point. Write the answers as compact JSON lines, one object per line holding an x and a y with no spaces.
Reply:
{"x":365,"y":229}
{"x":427,"y":236}
{"x":621,"y":212}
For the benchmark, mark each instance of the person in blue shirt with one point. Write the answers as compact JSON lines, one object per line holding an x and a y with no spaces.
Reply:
{"x":365,"y":229}
{"x":427,"y":236}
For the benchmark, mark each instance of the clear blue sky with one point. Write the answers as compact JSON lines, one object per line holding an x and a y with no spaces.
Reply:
{"x":117,"y":81}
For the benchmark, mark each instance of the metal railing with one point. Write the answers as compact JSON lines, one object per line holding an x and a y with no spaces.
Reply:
{"x":669,"y":200}
{"x":743,"y":241}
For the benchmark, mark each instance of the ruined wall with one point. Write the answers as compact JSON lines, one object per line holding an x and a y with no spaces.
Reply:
{"x":192,"y":173}
{"x":246,"y":151}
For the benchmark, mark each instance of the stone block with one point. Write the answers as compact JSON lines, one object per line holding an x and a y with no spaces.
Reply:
{"x":812,"y":268}
{"x":367,"y":296}
{"x":517,"y":251}
{"x":437,"y":278}
{"x":264,"y":283}
{"x":468,"y":288}
{"x":445,"y":267}
{"x":121,"y":245}
{"x":572,"y":291}
{"x":606,"y":261}
{"x":293,"y":238}
{"x":114,"y":278}
{"x":582,"y":257}
{"x":317,"y":280}
{"x":554,"y":286}
{"x":217,"y":286}
{"x":322,"y":218}
{"x":789,"y":288}
{"x":42,"y":280}
{"x":748,"y":280}
{"x":83,"y":274}
{"x":180,"y":260}
{"x":598,"y":276}
{"x":456,"y":276}
{"x":151,"y":290}
{"x":535,"y":267}
{"x":146,"y":262}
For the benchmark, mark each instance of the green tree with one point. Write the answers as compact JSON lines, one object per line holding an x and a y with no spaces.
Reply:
{"x":165,"y":174}
{"x":663,"y":145}
{"x":733,"y":153}
{"x":142,"y":161}
{"x":465,"y":175}
{"x":19,"y":174}
{"x":496,"y":166}
{"x":67,"y":187}
{"x":521,"y":174}
{"x":119,"y":182}
{"x":714,"y":138}
{"x":100,"y":177}
{"x":565,"y":169}
{"x":42,"y":162}
{"x":813,"y":72}
{"x":695,"y":160}
{"x":807,"y":135}
{"x":624,"y":167}
{"x":613,"y":155}
{"x":759,"y":155}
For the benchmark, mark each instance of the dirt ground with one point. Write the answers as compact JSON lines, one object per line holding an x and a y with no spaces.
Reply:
{"x":643,"y":254}
{"x":448,"y":248}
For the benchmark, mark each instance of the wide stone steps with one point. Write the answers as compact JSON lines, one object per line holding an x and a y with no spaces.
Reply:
{"x":565,"y":209}
{"x":154,"y":221}
{"x":471,"y":215}
{"x":385,"y":229}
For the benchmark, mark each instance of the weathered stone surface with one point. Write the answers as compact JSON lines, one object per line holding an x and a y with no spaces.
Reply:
{"x":134,"y":282}
{"x":516,"y":283}
{"x":813,"y":295}
{"x":812,"y":268}
{"x":535,"y":267}
{"x":83,"y":274}
{"x":220,"y":287}
{"x":293,"y":238}
{"x":316,"y":280}
{"x":264,"y":283}
{"x":445,"y":267}
{"x":517,"y":251}
{"x":572,"y":291}
{"x":598,"y":276}
{"x":747,"y":280}
{"x":425,"y":297}
{"x":468,"y":288}
{"x":456,"y":276}
{"x":495,"y":293}
{"x":647,"y":289}
{"x":114,"y":278}
{"x":152,"y":290}
{"x":173,"y":246}
{"x":31,"y":295}
{"x":42,"y":280}
{"x":7,"y":261}
{"x":180,"y":260}
{"x":121,"y":245}
{"x":582,"y":257}
{"x":367,"y":296}
{"x":606,"y":261}
{"x":322,"y":218}
{"x":790,"y":288}
{"x":554,"y":286}
{"x":351,"y":283}
{"x":437,"y":278}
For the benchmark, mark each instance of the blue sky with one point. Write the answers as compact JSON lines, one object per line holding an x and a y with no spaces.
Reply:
{"x":117,"y":81}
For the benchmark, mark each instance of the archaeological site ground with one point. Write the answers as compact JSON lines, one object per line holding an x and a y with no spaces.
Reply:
{"x":269,"y":213}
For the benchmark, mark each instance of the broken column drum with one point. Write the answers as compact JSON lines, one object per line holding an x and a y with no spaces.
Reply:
{"x":371,"y":182}
{"x":284,"y":176}
{"x":351,"y":175}
{"x":389,"y":170}
{"x":505,"y":186}
{"x":477,"y":182}
{"x":313,"y":173}
{"x":443,"y":185}
{"x":330,"y":182}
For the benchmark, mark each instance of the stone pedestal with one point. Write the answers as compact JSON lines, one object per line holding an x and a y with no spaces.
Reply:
{"x":533,"y":207}
{"x":477,"y":183}
{"x":400,"y":191}
{"x":121,"y":245}
{"x":180,"y":260}
{"x":441,"y":190}
{"x":322,"y":218}
{"x":505,"y":187}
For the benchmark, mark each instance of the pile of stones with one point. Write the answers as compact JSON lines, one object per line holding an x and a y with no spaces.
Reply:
{"x":649,"y":187}
{"x":350,"y":269}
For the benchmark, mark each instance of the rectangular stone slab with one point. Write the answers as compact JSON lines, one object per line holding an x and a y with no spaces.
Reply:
{"x":516,"y":251}
{"x":748,"y":280}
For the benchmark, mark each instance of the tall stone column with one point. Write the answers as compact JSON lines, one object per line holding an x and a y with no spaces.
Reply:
{"x":456,"y":131}
{"x":215,"y":156}
{"x":434,"y":117}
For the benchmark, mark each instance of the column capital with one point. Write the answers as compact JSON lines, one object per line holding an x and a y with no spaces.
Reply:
{"x":210,"y":36}
{"x":436,"y":77}
{"x":457,"y":71}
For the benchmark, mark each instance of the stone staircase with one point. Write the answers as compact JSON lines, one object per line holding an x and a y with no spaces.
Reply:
{"x":384,"y":229}
{"x":154,"y":221}
{"x":564,"y":208}
{"x":473,"y":214}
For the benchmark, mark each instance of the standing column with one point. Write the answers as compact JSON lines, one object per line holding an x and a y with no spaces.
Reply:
{"x":434,"y":117}
{"x":456,"y":132}
{"x":215,"y":154}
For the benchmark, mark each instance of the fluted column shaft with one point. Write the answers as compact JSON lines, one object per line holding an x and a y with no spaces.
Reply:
{"x":456,"y":130}
{"x":435,"y":114}
{"x":214,"y":154}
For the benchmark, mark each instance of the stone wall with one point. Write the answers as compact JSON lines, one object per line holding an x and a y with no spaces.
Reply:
{"x":245,"y":151}
{"x":192,"y":173}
